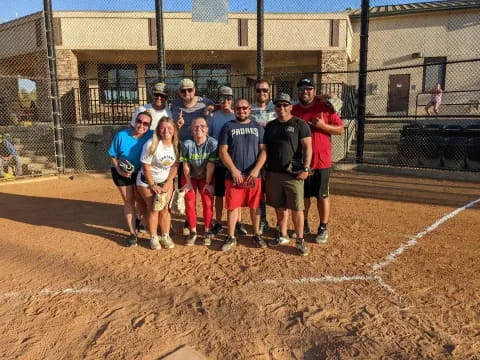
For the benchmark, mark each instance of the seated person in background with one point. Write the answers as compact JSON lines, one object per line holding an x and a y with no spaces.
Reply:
{"x":7,"y":155}
{"x":198,"y":157}
{"x":128,"y":144}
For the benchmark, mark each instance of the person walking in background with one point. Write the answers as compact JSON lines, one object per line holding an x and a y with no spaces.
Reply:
{"x":263,"y":111}
{"x":157,"y":108}
{"x":288,"y":143}
{"x":127,"y":144}
{"x":435,"y":100}
{"x":8,"y":154}
{"x":324,"y":122}
{"x":198,"y":157}
{"x":159,"y":167}
{"x":242,"y":151}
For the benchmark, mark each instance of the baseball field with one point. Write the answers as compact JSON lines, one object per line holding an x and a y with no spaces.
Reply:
{"x":398,"y":279}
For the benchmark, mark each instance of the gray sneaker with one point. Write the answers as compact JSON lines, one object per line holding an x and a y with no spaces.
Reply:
{"x":302,"y":247}
{"x":279,"y":240}
{"x":207,"y":238}
{"x":132,"y":240}
{"x":154,"y":243}
{"x":191,"y":239}
{"x":259,"y":241}
{"x":322,"y":236}
{"x":240,"y":229}
{"x":230,"y":242}
{"x":167,"y":242}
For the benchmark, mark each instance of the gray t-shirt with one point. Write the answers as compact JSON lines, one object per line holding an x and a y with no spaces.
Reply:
{"x":216,"y":121}
{"x":189,"y":114}
{"x":198,"y":156}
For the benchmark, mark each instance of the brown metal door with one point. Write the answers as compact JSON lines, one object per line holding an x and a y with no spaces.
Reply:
{"x":398,"y":93}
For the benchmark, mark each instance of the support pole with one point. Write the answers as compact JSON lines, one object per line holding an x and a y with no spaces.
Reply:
{"x":161,"y":64}
{"x":52,"y":69}
{"x":362,"y":80}
{"x":260,"y":21}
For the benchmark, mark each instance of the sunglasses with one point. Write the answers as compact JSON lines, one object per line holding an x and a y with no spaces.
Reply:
{"x":143,"y":123}
{"x":184,"y":91}
{"x":242,"y":108}
{"x":280,"y":105}
{"x":225,"y":98}
{"x":260,"y":90}
{"x":158,"y":95}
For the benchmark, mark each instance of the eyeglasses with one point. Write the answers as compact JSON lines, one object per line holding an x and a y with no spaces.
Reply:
{"x":242,"y":107}
{"x":225,"y":98}
{"x":158,"y":95}
{"x":143,"y":123}
{"x":280,"y":105}
{"x":259,"y":90}
{"x":188,"y":90}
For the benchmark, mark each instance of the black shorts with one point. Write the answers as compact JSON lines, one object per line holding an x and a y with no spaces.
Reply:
{"x":220,"y":173}
{"x":120,"y":180}
{"x":316,"y":185}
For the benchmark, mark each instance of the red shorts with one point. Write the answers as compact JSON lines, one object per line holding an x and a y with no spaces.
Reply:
{"x":236,"y":197}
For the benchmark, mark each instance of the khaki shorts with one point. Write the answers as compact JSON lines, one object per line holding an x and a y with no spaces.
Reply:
{"x":284,"y":191}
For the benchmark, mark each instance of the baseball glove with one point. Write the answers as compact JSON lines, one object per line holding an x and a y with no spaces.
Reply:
{"x":126,"y":166}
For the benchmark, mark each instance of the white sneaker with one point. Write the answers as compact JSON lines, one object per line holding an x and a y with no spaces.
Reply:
{"x":154,"y":243}
{"x":167,"y":242}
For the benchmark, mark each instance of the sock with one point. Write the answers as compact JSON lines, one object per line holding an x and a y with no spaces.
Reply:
{"x":323,"y":226}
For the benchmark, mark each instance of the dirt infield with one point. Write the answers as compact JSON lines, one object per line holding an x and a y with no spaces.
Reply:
{"x":399,"y":279}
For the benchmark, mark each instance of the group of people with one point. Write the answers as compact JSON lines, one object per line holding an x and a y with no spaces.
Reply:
{"x":234,"y":154}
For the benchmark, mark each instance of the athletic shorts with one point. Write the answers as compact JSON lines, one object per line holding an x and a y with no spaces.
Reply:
{"x":219,"y":176}
{"x":284,"y":191}
{"x":120,"y":180}
{"x":236,"y":197}
{"x":316,"y":185}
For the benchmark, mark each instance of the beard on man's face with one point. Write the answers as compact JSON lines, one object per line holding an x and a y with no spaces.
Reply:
{"x":241,"y":120}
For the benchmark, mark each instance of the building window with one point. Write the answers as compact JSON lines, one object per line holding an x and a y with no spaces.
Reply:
{"x":118,"y":83}
{"x":175,"y":73}
{"x":209,"y":77}
{"x":434,"y":69}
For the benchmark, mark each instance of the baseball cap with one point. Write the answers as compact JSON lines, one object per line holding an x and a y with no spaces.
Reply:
{"x":282,"y":97}
{"x":225,"y":90}
{"x":159,"y":88}
{"x":186,"y":84}
{"x":305,"y":83}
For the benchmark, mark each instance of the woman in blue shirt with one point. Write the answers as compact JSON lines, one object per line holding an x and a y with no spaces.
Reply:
{"x":127,"y":144}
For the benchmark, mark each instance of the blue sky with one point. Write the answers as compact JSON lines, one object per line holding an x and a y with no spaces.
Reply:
{"x":10,"y":9}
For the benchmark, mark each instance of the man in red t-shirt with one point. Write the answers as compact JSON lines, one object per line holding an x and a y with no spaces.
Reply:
{"x":324,"y":122}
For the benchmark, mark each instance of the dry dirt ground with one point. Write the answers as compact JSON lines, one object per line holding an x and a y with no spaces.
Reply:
{"x":398,"y":279}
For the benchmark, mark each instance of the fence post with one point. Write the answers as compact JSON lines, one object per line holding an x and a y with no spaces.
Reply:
{"x":362,"y":80}
{"x":160,"y":40}
{"x":260,"y":39}
{"x":52,"y":68}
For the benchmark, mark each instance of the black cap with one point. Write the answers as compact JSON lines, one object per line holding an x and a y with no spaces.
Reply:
{"x":305,"y":83}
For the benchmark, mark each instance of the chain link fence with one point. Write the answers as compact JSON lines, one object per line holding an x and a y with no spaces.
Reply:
{"x":106,"y":60}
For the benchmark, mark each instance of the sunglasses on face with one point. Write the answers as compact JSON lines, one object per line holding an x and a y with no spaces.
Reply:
{"x":306,"y":89}
{"x":143,"y":123}
{"x":242,"y":108}
{"x":158,"y":95}
{"x":262,"y":90}
{"x":280,"y":105}
{"x":184,"y":91}
{"x":225,"y":98}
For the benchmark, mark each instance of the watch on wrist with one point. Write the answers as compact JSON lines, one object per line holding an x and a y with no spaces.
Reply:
{"x":306,"y":169}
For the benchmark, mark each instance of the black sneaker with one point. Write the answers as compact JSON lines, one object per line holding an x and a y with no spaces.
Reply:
{"x":230,"y":242}
{"x":302,"y":247}
{"x":186,"y":229}
{"x":263,"y":226}
{"x":132,"y":240}
{"x":217,"y":227}
{"x":240,"y":229}
{"x":259,"y":241}
{"x":191,"y":239}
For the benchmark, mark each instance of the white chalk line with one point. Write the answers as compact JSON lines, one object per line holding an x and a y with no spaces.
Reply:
{"x":413,"y":241}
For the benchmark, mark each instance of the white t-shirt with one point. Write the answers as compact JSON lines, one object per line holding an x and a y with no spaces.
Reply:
{"x":161,"y":162}
{"x":156,"y":114}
